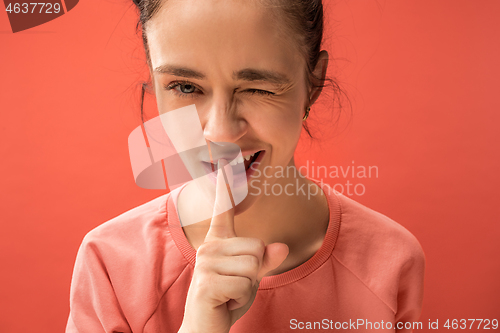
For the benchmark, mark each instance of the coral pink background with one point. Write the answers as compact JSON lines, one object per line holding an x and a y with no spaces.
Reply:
{"x":423,"y":77}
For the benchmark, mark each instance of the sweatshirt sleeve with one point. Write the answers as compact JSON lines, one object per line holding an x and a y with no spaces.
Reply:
{"x":93,"y":304}
{"x":411,"y":290}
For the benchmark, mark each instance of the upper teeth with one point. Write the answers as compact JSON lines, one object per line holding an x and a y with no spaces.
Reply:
{"x":240,"y":159}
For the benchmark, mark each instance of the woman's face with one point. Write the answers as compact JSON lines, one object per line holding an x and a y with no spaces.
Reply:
{"x":242,"y":70}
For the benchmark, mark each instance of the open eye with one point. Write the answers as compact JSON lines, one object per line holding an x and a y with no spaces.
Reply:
{"x":182,"y":89}
{"x":186,"y":88}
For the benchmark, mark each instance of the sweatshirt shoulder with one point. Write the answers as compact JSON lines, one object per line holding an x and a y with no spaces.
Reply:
{"x":130,"y":258}
{"x":376,"y":249}
{"x":369,"y":230}
{"x":132,"y":226}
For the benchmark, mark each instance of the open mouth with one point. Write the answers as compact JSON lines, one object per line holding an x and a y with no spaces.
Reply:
{"x":246,"y":160}
{"x":251,"y":163}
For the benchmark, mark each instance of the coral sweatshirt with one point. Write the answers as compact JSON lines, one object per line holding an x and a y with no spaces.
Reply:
{"x":132,"y":274}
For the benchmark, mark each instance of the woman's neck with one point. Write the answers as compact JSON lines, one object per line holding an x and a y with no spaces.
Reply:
{"x":293,"y":217}
{"x":298,"y":218}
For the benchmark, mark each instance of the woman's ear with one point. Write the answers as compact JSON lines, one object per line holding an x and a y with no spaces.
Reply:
{"x":319,"y":77}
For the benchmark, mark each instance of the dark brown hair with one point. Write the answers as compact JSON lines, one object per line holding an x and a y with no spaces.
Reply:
{"x":304,"y":18}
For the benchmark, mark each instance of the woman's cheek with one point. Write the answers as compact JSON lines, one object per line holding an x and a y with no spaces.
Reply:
{"x":275,"y":111}
{"x":282,"y":131}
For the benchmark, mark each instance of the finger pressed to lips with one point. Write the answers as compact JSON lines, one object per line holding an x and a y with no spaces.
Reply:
{"x":222,"y":224}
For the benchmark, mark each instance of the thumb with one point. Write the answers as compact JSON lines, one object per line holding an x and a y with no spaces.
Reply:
{"x":274,"y":256}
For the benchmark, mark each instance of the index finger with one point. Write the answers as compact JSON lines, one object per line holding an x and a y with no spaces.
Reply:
{"x":222,"y":224}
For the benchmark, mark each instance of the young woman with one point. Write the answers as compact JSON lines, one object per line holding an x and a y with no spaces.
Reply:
{"x":273,"y":263}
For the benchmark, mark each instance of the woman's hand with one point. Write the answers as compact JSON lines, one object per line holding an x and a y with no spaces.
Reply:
{"x":228,"y":269}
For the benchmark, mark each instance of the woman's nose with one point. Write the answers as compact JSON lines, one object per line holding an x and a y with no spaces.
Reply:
{"x":222,"y":123}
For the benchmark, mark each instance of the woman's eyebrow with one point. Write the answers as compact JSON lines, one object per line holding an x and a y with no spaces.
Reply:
{"x":247,"y":74}
{"x":179,"y":71}
{"x":250,"y":74}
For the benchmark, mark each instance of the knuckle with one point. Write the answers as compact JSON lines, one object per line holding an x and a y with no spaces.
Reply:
{"x":246,"y":284}
{"x":203,"y":250}
{"x":260,"y":246}
{"x":202,"y":266}
{"x":209,"y":248}
{"x":253,"y":263}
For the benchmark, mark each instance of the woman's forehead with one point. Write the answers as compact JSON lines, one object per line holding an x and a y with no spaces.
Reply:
{"x":229,"y":34}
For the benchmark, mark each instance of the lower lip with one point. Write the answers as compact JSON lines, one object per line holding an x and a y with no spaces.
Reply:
{"x":237,"y":179}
